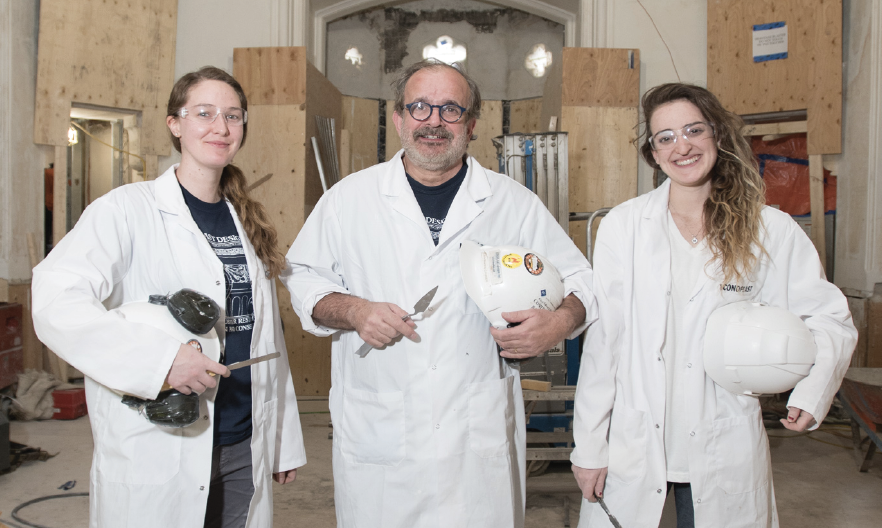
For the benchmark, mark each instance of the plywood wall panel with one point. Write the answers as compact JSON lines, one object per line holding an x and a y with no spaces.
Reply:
{"x":272,"y":76}
{"x":810,"y":78}
{"x":551,"y":97}
{"x":599,"y":97}
{"x":603,"y":160}
{"x":393,"y":141}
{"x":361,"y":118}
{"x":278,"y":139}
{"x":112,"y":54}
{"x":526,"y":116}
{"x":600,"y":77}
{"x":488,"y":127}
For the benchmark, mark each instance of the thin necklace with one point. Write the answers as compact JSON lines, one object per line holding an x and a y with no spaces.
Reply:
{"x":688,"y":228}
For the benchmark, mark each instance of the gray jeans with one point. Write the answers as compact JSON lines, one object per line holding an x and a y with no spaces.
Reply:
{"x":683,"y":501}
{"x":231,"y":487}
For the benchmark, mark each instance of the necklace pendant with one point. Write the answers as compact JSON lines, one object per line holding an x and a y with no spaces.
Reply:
{"x":695,"y":240}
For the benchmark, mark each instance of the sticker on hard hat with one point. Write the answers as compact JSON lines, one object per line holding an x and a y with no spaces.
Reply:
{"x":533,"y":264}
{"x":492,"y":270}
{"x":512,"y":260}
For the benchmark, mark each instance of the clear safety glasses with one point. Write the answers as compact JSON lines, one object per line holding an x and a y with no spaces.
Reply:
{"x":206,"y":114}
{"x":666,"y":139}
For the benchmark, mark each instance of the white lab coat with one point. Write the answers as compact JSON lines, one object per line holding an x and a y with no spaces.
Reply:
{"x":135,"y":241}
{"x":427,"y":434}
{"x":623,"y":370}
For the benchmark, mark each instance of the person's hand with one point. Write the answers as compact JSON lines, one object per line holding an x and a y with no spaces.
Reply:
{"x":591,"y":481}
{"x":797,"y":419}
{"x":284,"y":477}
{"x":190,"y":371}
{"x":536,"y":331}
{"x":379,"y":323}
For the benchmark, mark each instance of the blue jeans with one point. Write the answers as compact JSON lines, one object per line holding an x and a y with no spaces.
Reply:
{"x":683,"y":502}
{"x":231,"y":487}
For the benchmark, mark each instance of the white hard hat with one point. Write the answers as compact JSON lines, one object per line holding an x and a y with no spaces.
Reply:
{"x":752,"y":348}
{"x":158,"y":316}
{"x":172,"y":315}
{"x":507,"y":279}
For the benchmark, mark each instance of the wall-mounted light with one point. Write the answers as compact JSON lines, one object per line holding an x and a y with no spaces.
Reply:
{"x":353,"y":56}
{"x":445,"y":50}
{"x":538,"y":60}
{"x":72,"y":138}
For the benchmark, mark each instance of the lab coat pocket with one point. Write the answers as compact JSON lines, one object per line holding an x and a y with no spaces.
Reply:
{"x":627,"y":444}
{"x":490,"y":416}
{"x":741,"y":454}
{"x":372,"y":429}
{"x":156,"y":457}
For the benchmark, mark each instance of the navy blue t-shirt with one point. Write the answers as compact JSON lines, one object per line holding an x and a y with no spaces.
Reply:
{"x":435,"y":201}
{"x":232,"y":407}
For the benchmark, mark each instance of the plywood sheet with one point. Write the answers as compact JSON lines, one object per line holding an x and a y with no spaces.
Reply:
{"x":525,"y":116}
{"x":602,"y":158}
{"x":600,"y":77}
{"x":112,"y":54}
{"x":809,"y":78}
{"x":488,"y":127}
{"x":361,"y":118}
{"x":272,"y":75}
{"x":276,"y":146}
{"x":551,"y":98}
{"x":393,"y":142}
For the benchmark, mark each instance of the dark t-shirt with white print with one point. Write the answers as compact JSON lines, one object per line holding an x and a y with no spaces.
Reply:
{"x":232,"y":407}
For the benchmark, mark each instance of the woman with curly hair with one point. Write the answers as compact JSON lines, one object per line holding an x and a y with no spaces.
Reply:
{"x":648,"y":418}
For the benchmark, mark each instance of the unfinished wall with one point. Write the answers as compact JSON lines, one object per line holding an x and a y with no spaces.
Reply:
{"x":390,"y":38}
{"x":285,"y":93}
{"x":21,"y":164}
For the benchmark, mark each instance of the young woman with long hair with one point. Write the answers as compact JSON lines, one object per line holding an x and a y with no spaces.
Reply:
{"x":193,"y":227}
{"x":648,"y":418}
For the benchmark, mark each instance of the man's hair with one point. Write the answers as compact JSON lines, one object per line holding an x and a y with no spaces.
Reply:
{"x":473,"y":107}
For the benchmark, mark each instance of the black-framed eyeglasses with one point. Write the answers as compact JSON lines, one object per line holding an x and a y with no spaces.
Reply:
{"x":450,"y":113}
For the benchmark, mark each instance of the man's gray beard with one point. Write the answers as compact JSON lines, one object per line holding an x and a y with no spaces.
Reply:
{"x":439,"y":161}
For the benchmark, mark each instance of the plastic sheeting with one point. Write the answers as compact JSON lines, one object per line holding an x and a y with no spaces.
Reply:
{"x":783,"y":164}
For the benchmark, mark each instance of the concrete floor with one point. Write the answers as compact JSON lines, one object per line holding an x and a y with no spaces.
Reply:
{"x":817,"y":484}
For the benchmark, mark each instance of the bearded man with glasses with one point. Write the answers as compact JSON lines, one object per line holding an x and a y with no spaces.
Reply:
{"x":429,"y":426}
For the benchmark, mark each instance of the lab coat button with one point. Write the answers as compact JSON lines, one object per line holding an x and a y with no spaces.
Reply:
{"x":692,"y":433}
{"x":205,"y":417}
{"x":434,"y":367}
{"x":658,"y":490}
{"x":437,"y":426}
{"x":699,"y":501}
{"x":217,"y":283}
{"x":668,"y":293}
{"x":656,"y":426}
{"x":201,"y":488}
{"x":689,"y":365}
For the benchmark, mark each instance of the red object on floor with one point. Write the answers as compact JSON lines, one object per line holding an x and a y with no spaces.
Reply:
{"x":69,"y":404}
{"x":11,"y":352}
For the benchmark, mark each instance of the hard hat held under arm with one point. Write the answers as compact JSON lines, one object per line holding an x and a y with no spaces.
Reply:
{"x":508,"y":279}
{"x":752,"y":348}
